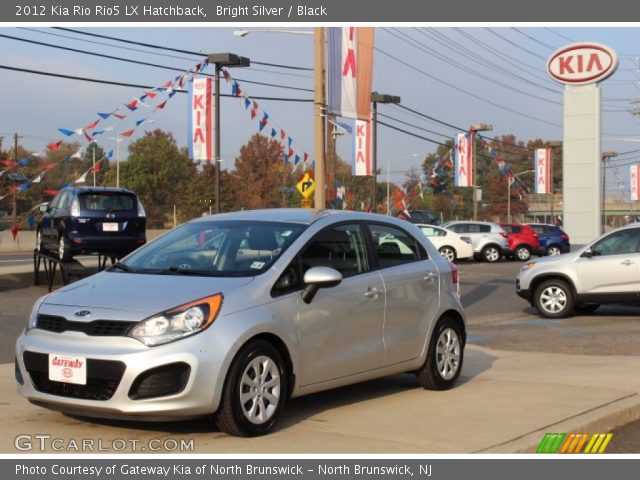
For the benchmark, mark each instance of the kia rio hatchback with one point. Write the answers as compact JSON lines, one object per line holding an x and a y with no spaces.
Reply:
{"x":233,"y":314}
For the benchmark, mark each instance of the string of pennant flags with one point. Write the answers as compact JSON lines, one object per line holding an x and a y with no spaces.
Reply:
{"x":292,"y":153}
{"x":91,"y":130}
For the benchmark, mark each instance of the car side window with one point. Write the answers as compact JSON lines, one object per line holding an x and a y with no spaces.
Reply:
{"x":394,"y":246}
{"x":459,"y":228}
{"x":433,"y":232}
{"x":55,"y":203}
{"x":484,"y":228}
{"x":618,"y":243}
{"x":64,"y":200}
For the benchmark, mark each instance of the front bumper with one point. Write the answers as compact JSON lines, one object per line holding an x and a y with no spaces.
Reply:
{"x":523,"y":292}
{"x":116,"y":371}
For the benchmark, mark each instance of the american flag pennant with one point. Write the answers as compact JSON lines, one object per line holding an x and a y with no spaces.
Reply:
{"x":66,"y":132}
{"x":23,"y":186}
{"x":296,"y":160}
{"x":104,"y":116}
{"x":128,"y":133}
{"x":226,"y":75}
{"x":132,"y":105}
{"x":24,"y":161}
{"x":54,"y":146}
{"x":110,"y":154}
{"x":181,"y":81}
{"x":38,"y":179}
{"x":93,"y":125}
{"x":282,"y":134}
{"x":48,"y":166}
{"x":96,"y":168}
{"x":198,"y":67}
{"x":306,"y":157}
{"x":167,"y":84}
{"x":78,"y":154}
{"x":88,"y":137}
{"x":247,"y":102}
{"x":150,"y":94}
{"x":50,"y":191}
{"x":8,"y":163}
{"x":172,"y":93}
{"x":160,"y":106}
{"x":2,"y":172}
{"x":253,"y":114}
{"x":83,"y":178}
{"x":273,"y":133}
{"x":142,"y":98}
{"x":119,"y":116}
{"x":290,"y":141}
{"x":290,"y":154}
{"x":140,"y":122}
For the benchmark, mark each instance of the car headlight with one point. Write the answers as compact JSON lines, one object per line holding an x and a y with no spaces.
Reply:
{"x":179,"y":322}
{"x":528,"y":266}
{"x":33,"y":316}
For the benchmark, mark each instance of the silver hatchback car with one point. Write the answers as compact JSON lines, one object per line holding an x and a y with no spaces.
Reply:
{"x":489,"y":240}
{"x":233,"y":314}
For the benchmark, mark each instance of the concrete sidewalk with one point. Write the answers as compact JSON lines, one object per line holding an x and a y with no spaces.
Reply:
{"x":505,"y":403}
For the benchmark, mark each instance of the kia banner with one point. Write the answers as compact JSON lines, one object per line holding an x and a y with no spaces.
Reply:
{"x":200,"y":119}
{"x":542,"y":162}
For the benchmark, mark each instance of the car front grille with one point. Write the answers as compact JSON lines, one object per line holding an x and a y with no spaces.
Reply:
{"x":96,"y":328}
{"x":103,"y":378}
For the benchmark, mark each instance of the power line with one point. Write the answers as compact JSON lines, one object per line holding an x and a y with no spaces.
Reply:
{"x":133,"y":85}
{"x":560,"y":35}
{"x":530,"y":37}
{"x":461,"y":90}
{"x":510,"y":42}
{"x":411,"y":134}
{"x":188,"y":52}
{"x":139,"y":62}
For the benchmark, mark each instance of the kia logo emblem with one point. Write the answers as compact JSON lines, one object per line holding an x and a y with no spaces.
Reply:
{"x":582,"y":63}
{"x":110,"y":215}
{"x":82,"y":313}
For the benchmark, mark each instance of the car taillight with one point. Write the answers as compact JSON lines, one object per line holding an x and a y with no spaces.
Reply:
{"x":75,"y":208}
{"x":454,"y":273}
{"x":504,"y":234}
{"x":564,"y":236}
{"x":141,"y":212}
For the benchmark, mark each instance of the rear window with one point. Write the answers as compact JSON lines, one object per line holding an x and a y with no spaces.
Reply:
{"x":107,"y":202}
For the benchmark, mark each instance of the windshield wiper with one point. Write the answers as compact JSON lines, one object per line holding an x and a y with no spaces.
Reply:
{"x":122,"y":267}
{"x":190,"y":271}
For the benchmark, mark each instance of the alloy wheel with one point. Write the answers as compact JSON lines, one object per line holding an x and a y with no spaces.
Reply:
{"x":260,"y":390}
{"x":448,"y":354}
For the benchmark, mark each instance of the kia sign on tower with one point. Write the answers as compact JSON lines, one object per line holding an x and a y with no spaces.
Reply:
{"x":582,"y":63}
{"x":580,"y":66}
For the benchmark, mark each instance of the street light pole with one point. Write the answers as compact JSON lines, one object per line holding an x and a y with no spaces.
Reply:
{"x":475,"y":128}
{"x":605,"y":159}
{"x":375,"y":99}
{"x":509,"y":192}
{"x":221,"y":60}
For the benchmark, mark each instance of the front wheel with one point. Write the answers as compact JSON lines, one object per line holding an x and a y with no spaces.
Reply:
{"x":39,"y":246}
{"x":491,"y":253}
{"x":554,"y":299}
{"x":444,"y":358}
{"x":449,"y":253}
{"x":523,"y":253}
{"x":255,"y":391}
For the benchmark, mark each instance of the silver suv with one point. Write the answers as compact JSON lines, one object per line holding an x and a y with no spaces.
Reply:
{"x":489,"y":240}
{"x":605,"y":271}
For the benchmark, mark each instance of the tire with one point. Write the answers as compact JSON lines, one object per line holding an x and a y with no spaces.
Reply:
{"x":244,"y":419}
{"x":522,"y":253}
{"x":39,"y":246}
{"x":64,"y":250}
{"x":554,"y":299}
{"x":449,"y":253}
{"x":553,"y":250}
{"x":444,"y":357}
{"x":586,"y":308}
{"x":491,"y":253}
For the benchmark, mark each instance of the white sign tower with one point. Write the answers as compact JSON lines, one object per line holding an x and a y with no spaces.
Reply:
{"x":580,"y":66}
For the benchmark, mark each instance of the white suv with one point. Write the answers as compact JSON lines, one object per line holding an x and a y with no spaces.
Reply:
{"x":605,"y":271}
{"x":489,"y":240}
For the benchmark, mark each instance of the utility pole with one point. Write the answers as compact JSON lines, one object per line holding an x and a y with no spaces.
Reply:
{"x":331,"y":158}
{"x":319,"y":102}
{"x":14,"y":213}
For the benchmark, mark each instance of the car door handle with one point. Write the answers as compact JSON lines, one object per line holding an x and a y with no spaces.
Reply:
{"x":430,"y":276}
{"x":372,"y":293}
{"x":627,"y":262}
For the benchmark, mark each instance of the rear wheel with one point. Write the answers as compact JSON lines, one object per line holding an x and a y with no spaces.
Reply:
{"x":523,"y":253}
{"x":554,"y":299}
{"x":449,"y":253}
{"x":491,"y":253}
{"x":553,"y":250}
{"x":64,"y":252}
{"x":255,"y":391}
{"x":444,"y":358}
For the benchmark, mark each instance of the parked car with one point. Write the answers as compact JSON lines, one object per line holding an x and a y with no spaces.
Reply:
{"x":450,"y":245}
{"x":91,"y":220}
{"x":522,"y":241}
{"x":489,"y":240}
{"x":553,"y":240}
{"x":233,"y":314}
{"x":420,"y":216}
{"x":605,"y":271}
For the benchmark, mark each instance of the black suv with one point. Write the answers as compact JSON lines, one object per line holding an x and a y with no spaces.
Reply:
{"x":103,"y":220}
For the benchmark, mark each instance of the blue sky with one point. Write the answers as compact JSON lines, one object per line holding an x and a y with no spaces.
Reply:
{"x":430,"y":77}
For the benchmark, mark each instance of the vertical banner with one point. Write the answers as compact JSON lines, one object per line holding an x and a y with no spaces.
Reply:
{"x":350,"y":71}
{"x":542,"y":162}
{"x":200,"y":119}
{"x":462,"y":160}
{"x":635,"y":182}
{"x":362,"y":161}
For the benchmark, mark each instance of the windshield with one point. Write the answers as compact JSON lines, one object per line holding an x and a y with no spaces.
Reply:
{"x":215,"y":248}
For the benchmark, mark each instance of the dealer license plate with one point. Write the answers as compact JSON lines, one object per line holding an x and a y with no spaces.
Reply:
{"x":67,"y":369}
{"x":109,"y":227}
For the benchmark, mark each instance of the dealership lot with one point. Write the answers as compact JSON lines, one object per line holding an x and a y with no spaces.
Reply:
{"x":523,"y":376}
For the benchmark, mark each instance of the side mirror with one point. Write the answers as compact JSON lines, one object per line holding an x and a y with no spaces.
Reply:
{"x":588,"y":253}
{"x":44,"y":207}
{"x":319,"y":277}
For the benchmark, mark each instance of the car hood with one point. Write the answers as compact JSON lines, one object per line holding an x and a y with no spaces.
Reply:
{"x":141,"y":292}
{"x":564,"y":258}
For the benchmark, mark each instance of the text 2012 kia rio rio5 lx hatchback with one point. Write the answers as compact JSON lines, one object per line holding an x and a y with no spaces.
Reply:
{"x":233,"y":314}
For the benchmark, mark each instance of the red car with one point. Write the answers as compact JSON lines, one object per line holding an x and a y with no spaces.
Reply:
{"x":522,"y":241}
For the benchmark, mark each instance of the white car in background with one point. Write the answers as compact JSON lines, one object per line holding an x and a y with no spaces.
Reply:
{"x":450,"y":245}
